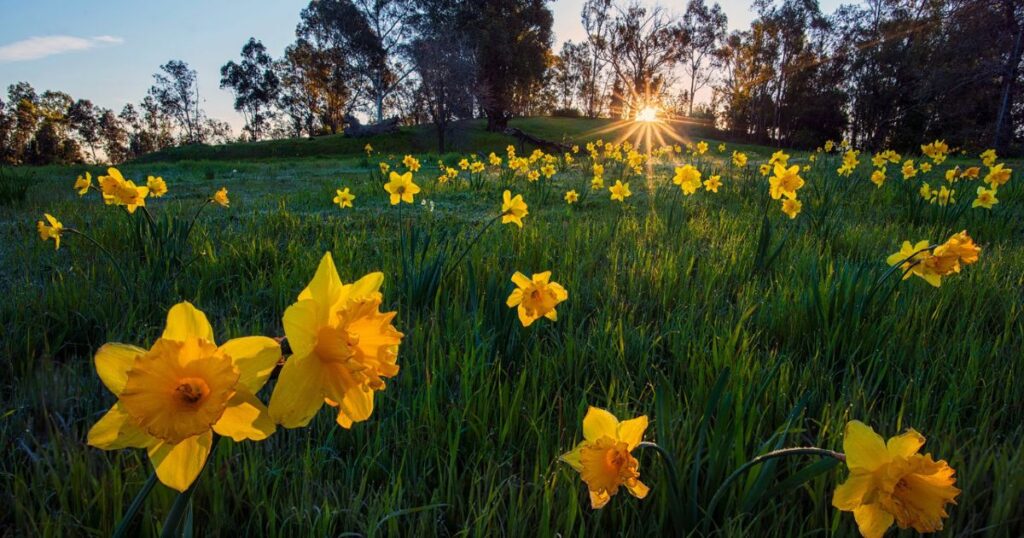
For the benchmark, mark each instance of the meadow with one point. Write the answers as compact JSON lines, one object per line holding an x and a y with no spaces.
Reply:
{"x":735,"y":337}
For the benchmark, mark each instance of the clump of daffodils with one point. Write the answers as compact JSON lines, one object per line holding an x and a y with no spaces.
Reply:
{"x":932,"y":262}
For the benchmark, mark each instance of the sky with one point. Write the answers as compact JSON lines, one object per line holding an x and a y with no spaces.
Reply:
{"x":108,"y":51}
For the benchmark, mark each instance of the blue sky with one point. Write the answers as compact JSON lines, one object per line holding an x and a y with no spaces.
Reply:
{"x":108,"y":51}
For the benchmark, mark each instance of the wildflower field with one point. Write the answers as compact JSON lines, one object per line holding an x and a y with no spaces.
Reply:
{"x":590,"y":340}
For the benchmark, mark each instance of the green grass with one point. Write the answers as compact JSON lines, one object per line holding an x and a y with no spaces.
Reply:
{"x":664,"y":318}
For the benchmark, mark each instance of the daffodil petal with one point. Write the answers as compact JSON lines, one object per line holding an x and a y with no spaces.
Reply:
{"x":598,"y":499}
{"x":185,"y":321}
{"x":255,"y":357}
{"x":117,"y":430}
{"x":906,"y":444}
{"x":850,"y":494}
{"x":325,"y":288}
{"x":864,"y":448}
{"x":177,"y":466}
{"x":872,"y":521}
{"x":599,"y":423}
{"x":631,"y":431}
{"x":521,"y":280}
{"x":365,"y":286}
{"x":573,"y":457}
{"x":113,"y":362}
{"x":299,"y":392}
{"x":245,"y":418}
{"x":301,"y":321}
{"x":638,"y":489}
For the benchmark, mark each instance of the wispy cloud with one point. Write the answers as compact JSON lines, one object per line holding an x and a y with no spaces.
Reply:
{"x":34,"y":48}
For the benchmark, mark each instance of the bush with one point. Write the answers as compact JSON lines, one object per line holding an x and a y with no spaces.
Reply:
{"x":566,"y":113}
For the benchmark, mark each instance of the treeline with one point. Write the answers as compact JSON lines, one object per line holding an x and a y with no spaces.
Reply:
{"x":890,"y":73}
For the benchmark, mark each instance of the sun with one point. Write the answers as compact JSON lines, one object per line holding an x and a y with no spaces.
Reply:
{"x":647,"y":115}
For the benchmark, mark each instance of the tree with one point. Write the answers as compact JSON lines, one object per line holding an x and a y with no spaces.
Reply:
{"x":84,"y":118}
{"x":176,"y":91}
{"x":255,"y":84}
{"x":444,"y":64}
{"x":22,"y":100}
{"x":641,"y":45}
{"x":705,"y":29}
{"x":510,"y":40}
{"x":113,"y":135}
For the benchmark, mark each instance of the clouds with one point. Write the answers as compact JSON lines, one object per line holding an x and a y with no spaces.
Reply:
{"x":34,"y":48}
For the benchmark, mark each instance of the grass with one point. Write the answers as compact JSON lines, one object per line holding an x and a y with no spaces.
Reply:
{"x":664,"y":318}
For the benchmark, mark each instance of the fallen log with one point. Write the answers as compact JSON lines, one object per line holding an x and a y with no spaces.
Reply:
{"x":546,"y":145}
{"x":355,"y":129}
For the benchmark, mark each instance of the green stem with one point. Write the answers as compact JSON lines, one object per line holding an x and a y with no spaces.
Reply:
{"x":110,"y":257}
{"x":126,"y":521}
{"x":172,"y":524}
{"x":782,"y":453}
{"x":673,"y":478}
{"x":188,"y":232}
{"x":469,"y":246}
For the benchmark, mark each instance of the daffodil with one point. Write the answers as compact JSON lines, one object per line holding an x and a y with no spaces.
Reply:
{"x":368,"y":149}
{"x":713,"y":183}
{"x":513,"y":209}
{"x":908,"y":170}
{"x":779,"y":157}
{"x":536,"y":297}
{"x":597,"y":183}
{"x":791,"y":207}
{"x":343,"y":347}
{"x":401,"y":188}
{"x":157,"y":186}
{"x":988,"y":157}
{"x":764,"y":169}
{"x":739,"y":159}
{"x":620,"y":191}
{"x":986,"y":198}
{"x":83,"y":183}
{"x":890,"y":482}
{"x":123,"y":192}
{"x":384,"y":167}
{"x":571,"y":197}
{"x":173,"y":397}
{"x":829,"y":145}
{"x":604,"y":458}
{"x":878,"y":177}
{"x":51,"y":229}
{"x":998,"y":176}
{"x":785,"y":182}
{"x":702,"y":147}
{"x":221,"y":197}
{"x":912,"y":259}
{"x":411,"y":163}
{"x":344,"y":198}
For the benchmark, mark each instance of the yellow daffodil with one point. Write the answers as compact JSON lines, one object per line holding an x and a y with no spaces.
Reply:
{"x":764,"y":169}
{"x":908,"y":170}
{"x":739,"y":159}
{"x":171,"y":398}
{"x":83,"y":183}
{"x":945,"y":196}
{"x":620,"y":191}
{"x":221,"y":197}
{"x":686,"y":174}
{"x":791,"y":207}
{"x":411,"y":163}
{"x":721,"y":148}
{"x":535,"y":298}
{"x":779,"y":157}
{"x":988,"y":157}
{"x":571,"y":197}
{"x":997,"y":176}
{"x":157,"y":186}
{"x":120,"y":191}
{"x":890,"y":482}
{"x":513,"y":209}
{"x":926,"y":167}
{"x":384,"y":167}
{"x":713,"y":183}
{"x":476,"y":167}
{"x":926,"y":191}
{"x":931,"y":264}
{"x":464,"y":164}
{"x":494,"y":159}
{"x":343,"y":348}
{"x":878,"y":177}
{"x":51,"y":229}
{"x":986,"y":198}
{"x":548,"y":170}
{"x":401,"y":188}
{"x":702,"y":147}
{"x":368,"y":149}
{"x":785,"y":182}
{"x":912,"y":258}
{"x":971,"y":172}
{"x":604,"y":458}
{"x":829,"y":145}
{"x":344,"y":198}
{"x":597,"y":183}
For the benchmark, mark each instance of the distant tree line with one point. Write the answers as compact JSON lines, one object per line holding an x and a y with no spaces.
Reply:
{"x":881,"y":73}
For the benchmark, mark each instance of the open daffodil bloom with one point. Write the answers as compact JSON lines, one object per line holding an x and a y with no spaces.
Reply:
{"x":604,"y":458}
{"x":172,"y":397}
{"x":343,"y":348}
{"x":536,"y":297}
{"x":890,"y":482}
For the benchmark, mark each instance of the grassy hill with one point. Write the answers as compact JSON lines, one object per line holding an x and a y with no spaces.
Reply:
{"x":466,"y":136}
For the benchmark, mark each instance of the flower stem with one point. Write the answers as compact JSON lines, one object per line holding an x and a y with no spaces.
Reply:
{"x":469,"y":246}
{"x":188,"y":232}
{"x":172,"y":524}
{"x":782,"y":453}
{"x":126,"y":521}
{"x":110,"y":257}
{"x":673,"y":478}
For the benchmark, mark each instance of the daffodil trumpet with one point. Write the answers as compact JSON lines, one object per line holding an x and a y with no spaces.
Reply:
{"x":781,"y":453}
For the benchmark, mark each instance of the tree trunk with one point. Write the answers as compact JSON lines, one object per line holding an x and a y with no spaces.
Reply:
{"x":440,"y":137}
{"x":496,"y":121}
{"x":1009,"y":82}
